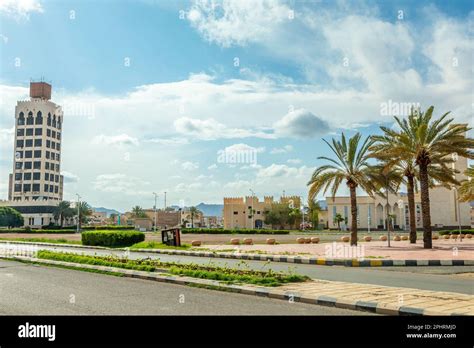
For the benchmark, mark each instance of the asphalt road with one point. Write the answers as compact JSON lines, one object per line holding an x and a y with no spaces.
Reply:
{"x":27,"y":289}
{"x":441,"y":278}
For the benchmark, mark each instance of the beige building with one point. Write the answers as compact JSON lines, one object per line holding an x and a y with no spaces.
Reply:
{"x":446,"y":211}
{"x":98,"y":218}
{"x":35,"y":186}
{"x":238,"y":210}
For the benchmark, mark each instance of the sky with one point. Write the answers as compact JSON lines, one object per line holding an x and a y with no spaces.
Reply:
{"x":212,"y":99}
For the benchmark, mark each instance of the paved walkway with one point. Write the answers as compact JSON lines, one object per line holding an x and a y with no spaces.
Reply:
{"x":401,"y":250}
{"x":387,"y":300}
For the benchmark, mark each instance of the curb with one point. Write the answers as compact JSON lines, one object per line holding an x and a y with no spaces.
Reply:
{"x":274,"y":293}
{"x":273,"y":258}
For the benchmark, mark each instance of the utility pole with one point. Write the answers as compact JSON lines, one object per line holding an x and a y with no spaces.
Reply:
{"x":78,"y":212}
{"x":456,"y":195}
{"x":154,"y":208}
{"x":165,"y":200}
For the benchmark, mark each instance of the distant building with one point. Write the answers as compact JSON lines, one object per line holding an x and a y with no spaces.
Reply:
{"x":238,"y":210}
{"x":372,"y":211}
{"x":98,"y":218}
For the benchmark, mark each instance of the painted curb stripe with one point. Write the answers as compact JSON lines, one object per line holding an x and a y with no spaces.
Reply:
{"x":410,"y":263}
{"x":410,"y":311}
{"x":326,"y":300}
{"x":364,"y":305}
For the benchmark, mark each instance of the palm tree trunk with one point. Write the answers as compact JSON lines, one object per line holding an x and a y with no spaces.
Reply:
{"x":425,"y":206}
{"x":354,"y":215}
{"x":411,"y":207}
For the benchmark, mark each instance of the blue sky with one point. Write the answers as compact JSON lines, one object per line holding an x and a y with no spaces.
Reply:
{"x":153,"y":90}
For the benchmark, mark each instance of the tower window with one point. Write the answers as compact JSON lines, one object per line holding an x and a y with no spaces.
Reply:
{"x":29,"y":131}
{"x":29,"y":119}
{"x":39,"y":118}
{"x":38,"y":131}
{"x":29,"y":143}
{"x":37,"y":165}
{"x":21,"y":119}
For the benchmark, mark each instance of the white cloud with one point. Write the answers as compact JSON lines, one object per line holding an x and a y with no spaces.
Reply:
{"x":116,"y":140}
{"x":169,"y":141}
{"x":120,"y":183}
{"x":210,"y":129}
{"x":189,"y":166}
{"x":212,"y":167}
{"x":20,"y":9}
{"x":294,"y":161}
{"x":240,"y":22}
{"x":69,"y":177}
{"x":301,"y":124}
{"x":281,"y":150}
{"x":282,"y":170}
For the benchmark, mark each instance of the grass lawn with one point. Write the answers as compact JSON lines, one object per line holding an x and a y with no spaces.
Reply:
{"x":43,"y":240}
{"x":236,"y":275}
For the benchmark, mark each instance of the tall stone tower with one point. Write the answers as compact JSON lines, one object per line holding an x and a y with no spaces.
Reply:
{"x":37,"y":148}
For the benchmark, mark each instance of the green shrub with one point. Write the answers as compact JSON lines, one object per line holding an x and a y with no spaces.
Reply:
{"x":233,"y":231}
{"x":108,"y":227}
{"x":10,"y":217}
{"x":442,"y":233}
{"x":112,"y":238}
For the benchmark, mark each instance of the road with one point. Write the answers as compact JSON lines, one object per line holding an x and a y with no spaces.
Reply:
{"x":428,"y":278}
{"x":27,"y":289}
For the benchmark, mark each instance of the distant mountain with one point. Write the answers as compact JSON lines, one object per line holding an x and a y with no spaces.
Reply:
{"x":105,"y":210}
{"x":210,"y":209}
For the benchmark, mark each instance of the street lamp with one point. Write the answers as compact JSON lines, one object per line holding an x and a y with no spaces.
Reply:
{"x":253,"y":195}
{"x":78,"y":212}
{"x":455,"y":157}
{"x":154,"y":208}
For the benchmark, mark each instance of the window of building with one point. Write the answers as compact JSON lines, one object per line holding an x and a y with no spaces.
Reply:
{"x":38,"y":142}
{"x":47,"y":165}
{"x":20,"y":132}
{"x":36,"y":176}
{"x":57,"y":146}
{"x":46,"y":187}
{"x":53,"y":145}
{"x":17,"y":187}
{"x":26,"y":187}
{"x":57,"y":168}
{"x":37,"y":153}
{"x":47,"y":155}
{"x":28,"y":154}
{"x":54,"y":120}
{"x":38,"y":131}
{"x":37,"y":165}
{"x":29,"y":119}
{"x":28,"y":142}
{"x":27,"y":176}
{"x":19,"y":143}
{"x":48,"y":132}
{"x":53,"y":134}
{"x":18,"y":165}
{"x":59,"y":136}
{"x":59,"y":122}
{"x":56,"y":178}
{"x":36,"y":187}
{"x":51,"y":177}
{"x":19,"y":154}
{"x":51,"y":165}
{"x":49,"y":119}
{"x":46,"y":176}
{"x":57,"y":157}
{"x":236,"y":212}
{"x":51,"y":188}
{"x":29,"y":131}
{"x":18,"y":176}
{"x":28,"y":165}
{"x":39,"y":118}
{"x":48,"y":144}
{"x":258,"y":211}
{"x":56,"y":189}
{"x":21,"y":119}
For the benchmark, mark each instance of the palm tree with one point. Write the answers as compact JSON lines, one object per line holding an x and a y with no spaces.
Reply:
{"x":138,"y":212}
{"x":85,"y":210}
{"x":337,"y":220}
{"x":313,"y":211}
{"x":194,"y":211}
{"x":350,"y":166}
{"x":466,"y":190}
{"x":62,"y":211}
{"x":430,"y":145}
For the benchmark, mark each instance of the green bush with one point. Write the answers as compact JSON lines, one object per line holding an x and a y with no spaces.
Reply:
{"x":108,"y":227}
{"x":233,"y":231}
{"x":442,"y":233}
{"x":10,"y":217}
{"x":112,"y":238}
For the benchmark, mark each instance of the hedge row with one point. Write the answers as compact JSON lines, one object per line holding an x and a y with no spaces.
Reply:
{"x":67,"y":229}
{"x":442,"y":233}
{"x":112,"y":238}
{"x":233,"y":231}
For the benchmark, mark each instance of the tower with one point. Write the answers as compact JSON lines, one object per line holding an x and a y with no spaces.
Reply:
{"x":37,"y":148}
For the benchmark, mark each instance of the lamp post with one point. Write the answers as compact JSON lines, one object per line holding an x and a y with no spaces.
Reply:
{"x":402,"y":215}
{"x":456,"y":198}
{"x":78,"y":212}
{"x":154,"y":208}
{"x":165,"y":200}
{"x":253,"y":195}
